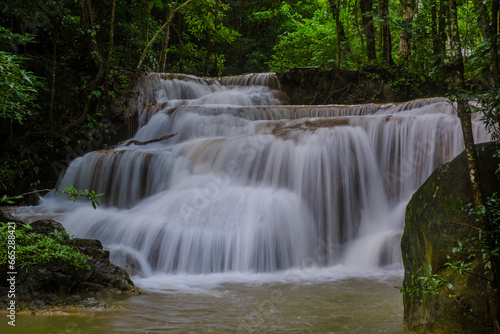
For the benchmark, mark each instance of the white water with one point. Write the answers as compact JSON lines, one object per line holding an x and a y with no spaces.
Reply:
{"x":250,"y":187}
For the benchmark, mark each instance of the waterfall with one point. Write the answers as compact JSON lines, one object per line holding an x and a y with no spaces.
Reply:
{"x":248,"y":183}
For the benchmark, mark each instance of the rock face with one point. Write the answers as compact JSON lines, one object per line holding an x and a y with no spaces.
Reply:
{"x":314,"y":86}
{"x":60,"y":285}
{"x":432,"y":229}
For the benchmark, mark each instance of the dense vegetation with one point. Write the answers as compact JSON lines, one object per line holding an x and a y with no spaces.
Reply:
{"x":35,"y":249}
{"x":63,"y":62}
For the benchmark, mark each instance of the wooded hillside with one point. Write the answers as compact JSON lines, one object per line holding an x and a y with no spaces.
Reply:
{"x":64,"y":63}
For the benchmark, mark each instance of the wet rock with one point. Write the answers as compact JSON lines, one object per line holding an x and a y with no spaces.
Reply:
{"x":7,"y":217}
{"x":432,"y":229}
{"x":315,"y":86}
{"x":36,"y":304}
{"x":47,"y":227}
{"x":75,"y":299}
{"x":60,"y":284}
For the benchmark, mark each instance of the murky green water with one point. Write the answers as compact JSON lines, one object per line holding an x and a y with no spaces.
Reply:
{"x":345,"y":305}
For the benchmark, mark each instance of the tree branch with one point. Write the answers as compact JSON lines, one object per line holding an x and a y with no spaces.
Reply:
{"x":138,"y":142}
{"x":163,"y":27}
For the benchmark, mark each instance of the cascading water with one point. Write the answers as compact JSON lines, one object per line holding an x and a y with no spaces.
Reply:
{"x":250,"y":184}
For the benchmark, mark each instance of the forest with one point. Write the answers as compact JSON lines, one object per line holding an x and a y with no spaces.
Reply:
{"x":313,"y":185}
{"x":64,"y":62}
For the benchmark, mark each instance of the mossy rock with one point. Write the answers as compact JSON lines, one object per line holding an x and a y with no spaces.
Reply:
{"x":46,"y":287}
{"x":432,"y":228}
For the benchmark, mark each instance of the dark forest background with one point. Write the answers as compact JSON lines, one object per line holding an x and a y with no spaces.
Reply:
{"x":68,"y":65}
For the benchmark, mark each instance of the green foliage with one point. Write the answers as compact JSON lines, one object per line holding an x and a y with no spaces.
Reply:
{"x":424,"y":284}
{"x":487,"y":105}
{"x":306,"y":42}
{"x":207,"y":33}
{"x":9,"y":173}
{"x":486,"y":242}
{"x":9,"y":199}
{"x":37,"y":249}
{"x":484,"y":245}
{"x":33,"y":249}
{"x":399,"y":78}
{"x":90,"y":195}
{"x":18,"y":88}
{"x":207,"y":37}
{"x":70,"y":191}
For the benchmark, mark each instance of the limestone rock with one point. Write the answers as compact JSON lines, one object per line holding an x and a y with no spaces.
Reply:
{"x":432,"y":229}
{"x":43,"y":287}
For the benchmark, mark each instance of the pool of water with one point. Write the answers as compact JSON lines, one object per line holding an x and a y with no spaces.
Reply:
{"x":328,"y":300}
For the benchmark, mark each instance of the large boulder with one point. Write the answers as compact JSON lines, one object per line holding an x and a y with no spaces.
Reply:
{"x":432,"y":228}
{"x":55,"y":285}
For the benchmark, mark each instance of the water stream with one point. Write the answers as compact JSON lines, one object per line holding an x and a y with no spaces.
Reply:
{"x":253,"y":199}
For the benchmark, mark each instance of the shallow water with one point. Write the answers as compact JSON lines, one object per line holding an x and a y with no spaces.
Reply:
{"x":327,"y":300}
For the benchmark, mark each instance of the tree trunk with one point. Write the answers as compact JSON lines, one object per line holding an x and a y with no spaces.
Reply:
{"x":367,"y":19}
{"x":162,"y":28}
{"x":465,"y":120}
{"x":404,"y":53}
{"x":441,"y":39}
{"x":164,"y":45}
{"x":470,"y":151}
{"x":336,"y":12}
{"x":53,"y":89}
{"x":87,"y":22}
{"x":493,"y":42}
{"x":359,"y":30}
{"x":207,"y":54}
{"x":143,"y":20}
{"x":434,"y":25}
{"x":483,"y":19}
{"x":457,"y":71}
{"x":343,"y":46}
{"x":111,"y":42}
{"x":386,"y":33}
{"x":216,"y":25}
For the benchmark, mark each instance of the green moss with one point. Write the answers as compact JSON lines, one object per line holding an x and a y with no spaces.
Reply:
{"x":432,"y":229}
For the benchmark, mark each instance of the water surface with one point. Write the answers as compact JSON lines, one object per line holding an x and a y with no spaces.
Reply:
{"x":327,"y":300}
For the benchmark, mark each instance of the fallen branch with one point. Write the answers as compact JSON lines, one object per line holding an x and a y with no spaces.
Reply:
{"x":138,"y":142}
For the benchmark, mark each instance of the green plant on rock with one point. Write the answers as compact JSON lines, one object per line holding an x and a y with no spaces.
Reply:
{"x":23,"y":248}
{"x":71,"y":191}
{"x":484,"y":244}
{"x":33,"y":249}
{"x":424,"y":284}
{"x":90,"y":195}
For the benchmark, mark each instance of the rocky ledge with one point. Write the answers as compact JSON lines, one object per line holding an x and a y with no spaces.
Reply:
{"x":58,"y":286}
{"x":432,"y":228}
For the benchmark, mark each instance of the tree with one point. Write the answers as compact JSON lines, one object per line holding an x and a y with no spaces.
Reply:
{"x":386,"y":33}
{"x":404,"y":52}
{"x":489,"y":32}
{"x":111,"y":42}
{"x":164,"y":44}
{"x":163,"y":28}
{"x":457,"y":68}
{"x":342,"y":42}
{"x":307,"y":41}
{"x":369,"y":28}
